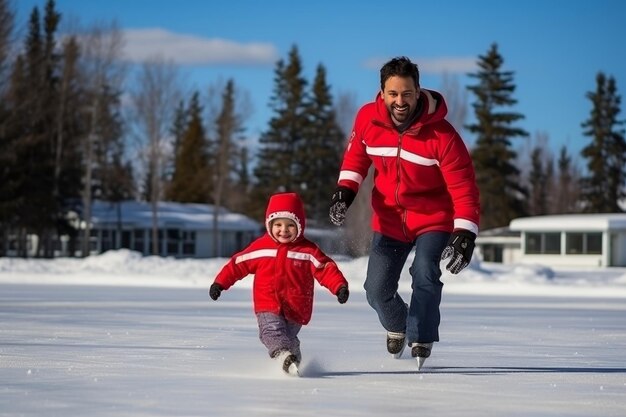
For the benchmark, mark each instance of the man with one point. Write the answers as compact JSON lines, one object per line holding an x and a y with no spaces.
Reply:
{"x":425,"y":196}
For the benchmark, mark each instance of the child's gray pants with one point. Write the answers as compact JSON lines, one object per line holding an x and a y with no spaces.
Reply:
{"x":277,"y":333}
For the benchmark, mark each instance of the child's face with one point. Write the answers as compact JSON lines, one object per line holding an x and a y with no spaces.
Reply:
{"x":284,"y":230}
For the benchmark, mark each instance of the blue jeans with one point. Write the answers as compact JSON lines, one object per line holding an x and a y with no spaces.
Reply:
{"x":387,"y":258}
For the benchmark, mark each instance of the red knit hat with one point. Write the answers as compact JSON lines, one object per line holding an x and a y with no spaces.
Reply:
{"x":286,"y":206}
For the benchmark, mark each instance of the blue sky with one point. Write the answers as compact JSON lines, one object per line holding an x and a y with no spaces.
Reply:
{"x":554,"y":48}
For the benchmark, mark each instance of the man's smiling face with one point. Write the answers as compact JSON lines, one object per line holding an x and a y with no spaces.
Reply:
{"x":400,"y":96}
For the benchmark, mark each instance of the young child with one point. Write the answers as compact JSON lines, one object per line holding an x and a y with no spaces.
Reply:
{"x":285,"y":264}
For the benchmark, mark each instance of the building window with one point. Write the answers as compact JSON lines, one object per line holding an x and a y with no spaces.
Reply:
{"x":107,"y":240}
{"x":583,"y":243}
{"x":159,"y":242}
{"x":574,"y":243}
{"x":93,"y":240}
{"x":594,"y":243}
{"x":173,"y":238}
{"x":543,"y":243}
{"x":126,"y":239}
{"x":138,"y":235}
{"x":189,"y":242}
{"x":492,"y":253}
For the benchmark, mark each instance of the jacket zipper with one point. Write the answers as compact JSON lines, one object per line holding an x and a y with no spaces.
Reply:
{"x":399,"y":180}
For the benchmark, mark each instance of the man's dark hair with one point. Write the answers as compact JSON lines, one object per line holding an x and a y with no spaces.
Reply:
{"x":399,"y":67}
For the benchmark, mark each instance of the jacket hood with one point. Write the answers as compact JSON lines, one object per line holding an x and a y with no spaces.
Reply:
{"x":285,"y":205}
{"x":433,"y":105}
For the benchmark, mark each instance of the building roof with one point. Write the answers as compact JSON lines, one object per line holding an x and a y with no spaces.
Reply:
{"x":571,"y":222}
{"x":138,"y":214}
{"x":504,"y":231}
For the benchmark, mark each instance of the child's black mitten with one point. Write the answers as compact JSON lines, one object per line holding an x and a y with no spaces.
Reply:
{"x":215,"y":291}
{"x":343,"y":294}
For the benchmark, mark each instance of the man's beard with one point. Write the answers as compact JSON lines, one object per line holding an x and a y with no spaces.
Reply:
{"x":400,"y":117}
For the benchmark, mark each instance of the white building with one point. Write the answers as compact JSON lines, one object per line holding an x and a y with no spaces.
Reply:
{"x":184,"y":230}
{"x":573,"y":239}
{"x":499,"y":245}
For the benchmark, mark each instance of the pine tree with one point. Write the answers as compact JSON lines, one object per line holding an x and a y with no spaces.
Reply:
{"x":68,"y":163}
{"x":177,"y":130}
{"x":34,"y":128}
{"x":537,"y":167}
{"x":321,"y":150}
{"x":603,"y":187}
{"x":567,"y":190}
{"x":550,"y":184}
{"x":191,"y":181}
{"x":7,"y":153}
{"x":502,"y":197}
{"x":42,"y":131}
{"x":277,"y":167}
{"x":538,"y":181}
{"x":242,"y":170}
{"x":228,"y":130}
{"x":7,"y":21}
{"x":113,"y":178}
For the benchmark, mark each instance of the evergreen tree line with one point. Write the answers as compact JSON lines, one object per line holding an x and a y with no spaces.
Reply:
{"x":66,"y":137}
{"x":512,"y":186}
{"x":60,"y":132}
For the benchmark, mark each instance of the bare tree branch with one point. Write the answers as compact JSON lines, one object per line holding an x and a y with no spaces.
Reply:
{"x":157,"y":91}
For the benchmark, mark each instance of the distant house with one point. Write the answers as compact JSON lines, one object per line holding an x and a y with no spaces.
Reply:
{"x":184,"y":230}
{"x":501,"y":245}
{"x":574,"y":240}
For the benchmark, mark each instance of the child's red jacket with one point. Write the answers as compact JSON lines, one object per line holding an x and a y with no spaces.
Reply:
{"x":284,"y":273}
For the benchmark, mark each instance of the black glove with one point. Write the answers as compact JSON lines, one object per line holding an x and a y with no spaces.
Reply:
{"x":343,"y":294}
{"x":215,"y":291}
{"x":342,"y":198}
{"x":460,"y":248}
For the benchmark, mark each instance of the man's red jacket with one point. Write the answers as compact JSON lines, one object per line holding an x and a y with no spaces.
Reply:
{"x":424,"y":178}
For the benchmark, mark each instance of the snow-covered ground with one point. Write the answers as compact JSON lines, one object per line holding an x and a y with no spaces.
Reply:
{"x":123,"y":335}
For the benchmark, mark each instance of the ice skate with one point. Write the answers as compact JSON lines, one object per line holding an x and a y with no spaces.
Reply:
{"x":288,"y":361}
{"x":395,"y":344}
{"x":421,"y":351}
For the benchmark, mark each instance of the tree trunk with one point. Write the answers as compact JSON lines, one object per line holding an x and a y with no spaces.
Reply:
{"x":86,"y":247}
